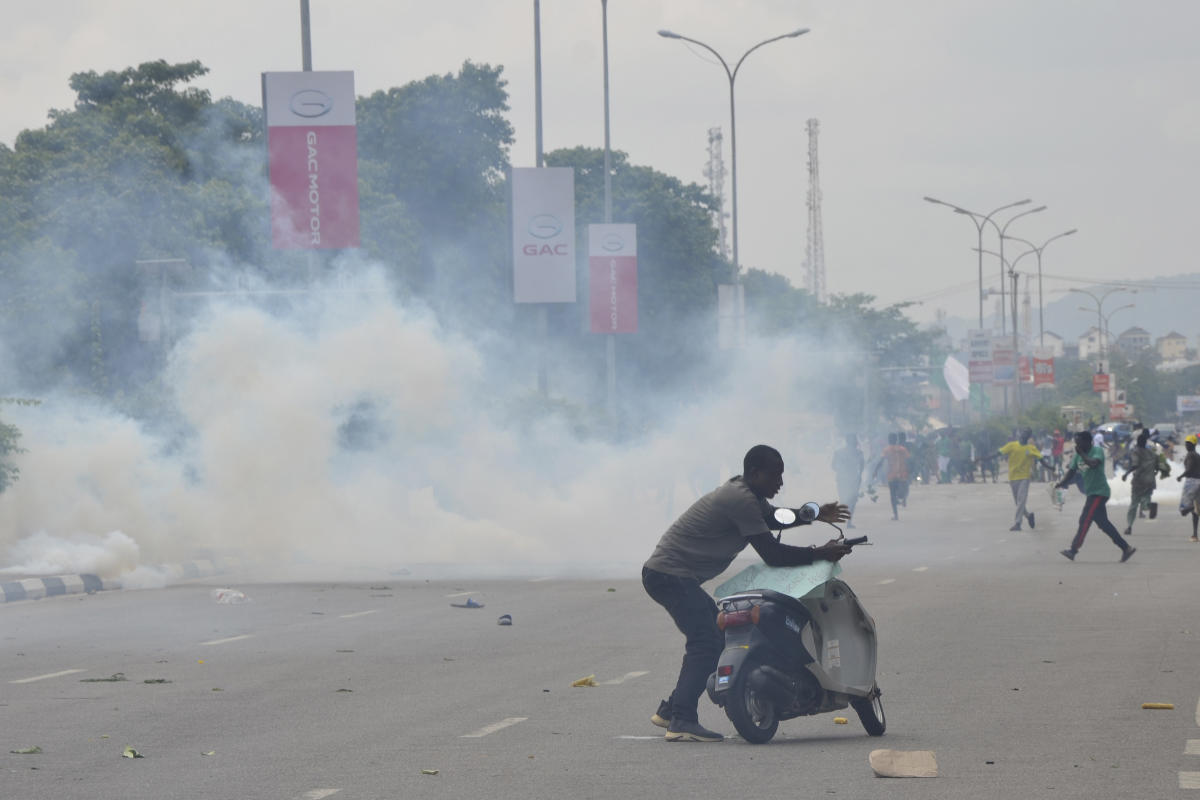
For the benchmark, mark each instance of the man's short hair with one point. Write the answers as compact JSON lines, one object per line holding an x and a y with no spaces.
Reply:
{"x":761,"y":456}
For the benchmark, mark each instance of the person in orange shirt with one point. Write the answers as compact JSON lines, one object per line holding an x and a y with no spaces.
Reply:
{"x":895,"y":456}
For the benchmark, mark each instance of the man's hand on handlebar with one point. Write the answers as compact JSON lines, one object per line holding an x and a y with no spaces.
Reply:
{"x":833,"y":550}
{"x":834,"y":512}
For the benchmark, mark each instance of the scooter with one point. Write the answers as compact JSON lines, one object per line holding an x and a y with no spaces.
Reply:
{"x":805,"y":647}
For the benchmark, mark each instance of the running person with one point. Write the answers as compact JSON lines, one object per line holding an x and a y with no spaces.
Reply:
{"x":1089,"y":462}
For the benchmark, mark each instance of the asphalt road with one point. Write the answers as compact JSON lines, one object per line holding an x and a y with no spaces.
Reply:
{"x":1023,"y":672}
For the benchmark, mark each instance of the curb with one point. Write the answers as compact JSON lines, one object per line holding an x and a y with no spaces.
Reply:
{"x":37,"y":588}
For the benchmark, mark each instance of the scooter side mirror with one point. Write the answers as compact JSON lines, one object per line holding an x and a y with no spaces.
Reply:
{"x":807,"y":513}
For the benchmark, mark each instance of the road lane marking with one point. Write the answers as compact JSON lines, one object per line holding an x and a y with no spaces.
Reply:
{"x":358,"y":614}
{"x":461,"y":594}
{"x":230,"y":639}
{"x":1189,"y":780}
{"x":1198,"y":712}
{"x":1193,"y":748}
{"x":495,"y":726}
{"x":886,"y":581}
{"x":319,"y":794}
{"x":625,"y":677}
{"x":44,"y":677}
{"x":920,"y":569}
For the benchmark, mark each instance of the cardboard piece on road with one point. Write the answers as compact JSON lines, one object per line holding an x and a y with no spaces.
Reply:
{"x":903,"y":763}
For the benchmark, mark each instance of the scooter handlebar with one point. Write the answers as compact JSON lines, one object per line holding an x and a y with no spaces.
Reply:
{"x":856,"y":541}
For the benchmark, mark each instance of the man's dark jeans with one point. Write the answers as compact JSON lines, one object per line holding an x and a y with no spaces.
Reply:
{"x":695,"y":614}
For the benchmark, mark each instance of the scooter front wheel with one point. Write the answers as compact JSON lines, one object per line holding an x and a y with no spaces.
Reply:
{"x":751,"y":712}
{"x":870,"y":711}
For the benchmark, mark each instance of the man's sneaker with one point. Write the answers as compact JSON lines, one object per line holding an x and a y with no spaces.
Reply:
{"x":1196,"y":538}
{"x":1031,"y":525}
{"x":1069,"y":554}
{"x":662,"y":717}
{"x":1016,"y":527}
{"x":684,"y":730}
{"x":1128,"y":531}
{"x":1128,"y":552}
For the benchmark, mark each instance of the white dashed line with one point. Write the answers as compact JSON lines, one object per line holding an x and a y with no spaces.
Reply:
{"x":1198,"y":712}
{"x":495,"y":726}
{"x":886,"y":581}
{"x":1192,"y":748}
{"x":920,"y":569}
{"x":461,"y":594}
{"x":624,"y":678}
{"x":358,"y":614}
{"x":1189,"y":780}
{"x":44,"y":677}
{"x":319,"y":794}
{"x":230,"y":639}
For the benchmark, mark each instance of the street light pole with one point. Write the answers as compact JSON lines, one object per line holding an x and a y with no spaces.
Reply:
{"x":1035,"y":249}
{"x":980,"y":220}
{"x":732,"y":75}
{"x":1003,"y":231}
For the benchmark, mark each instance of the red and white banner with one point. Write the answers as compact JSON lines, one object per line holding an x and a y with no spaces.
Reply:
{"x":1100,"y":382}
{"x":1043,"y":371}
{"x":1004,"y":360}
{"x":312,"y":158}
{"x":612,"y":262}
{"x":543,"y":204}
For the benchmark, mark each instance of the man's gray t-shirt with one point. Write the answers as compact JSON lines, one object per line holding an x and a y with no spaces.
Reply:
{"x":706,"y":538}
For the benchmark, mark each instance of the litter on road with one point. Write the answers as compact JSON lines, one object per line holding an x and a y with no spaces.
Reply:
{"x":1165,"y":706}
{"x":903,"y":763}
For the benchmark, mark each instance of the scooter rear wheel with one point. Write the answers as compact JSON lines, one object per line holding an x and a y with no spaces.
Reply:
{"x":870,"y":712}
{"x":752,"y":713}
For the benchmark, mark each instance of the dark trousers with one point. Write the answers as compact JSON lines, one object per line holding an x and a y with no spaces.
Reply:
{"x":897,"y":491}
{"x":695,"y":614}
{"x":1095,"y":509}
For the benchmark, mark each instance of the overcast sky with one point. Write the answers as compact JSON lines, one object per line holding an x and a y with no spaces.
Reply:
{"x":1091,"y":107}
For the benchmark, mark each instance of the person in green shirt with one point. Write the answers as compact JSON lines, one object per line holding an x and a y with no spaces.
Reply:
{"x":1089,"y":462}
{"x":1021,"y":457}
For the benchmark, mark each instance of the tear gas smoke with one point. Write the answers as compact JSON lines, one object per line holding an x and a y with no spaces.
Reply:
{"x":352,"y":436}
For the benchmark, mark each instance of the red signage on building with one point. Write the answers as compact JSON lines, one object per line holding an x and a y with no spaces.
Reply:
{"x":1100,"y":382}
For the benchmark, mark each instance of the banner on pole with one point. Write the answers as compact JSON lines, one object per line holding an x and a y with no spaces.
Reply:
{"x":543,"y":204}
{"x":1004,"y":360}
{"x":612,"y":262}
{"x":1043,"y":367}
{"x":1100,"y":382}
{"x":979,"y":356}
{"x":312,"y":159}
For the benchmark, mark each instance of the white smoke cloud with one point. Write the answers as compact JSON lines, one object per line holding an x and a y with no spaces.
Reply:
{"x":352,"y":433}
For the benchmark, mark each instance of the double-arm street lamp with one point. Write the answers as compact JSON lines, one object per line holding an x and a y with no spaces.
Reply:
{"x":732,"y":74}
{"x":1100,"y":317}
{"x":980,"y":220}
{"x":1003,"y":236}
{"x":1035,"y":249}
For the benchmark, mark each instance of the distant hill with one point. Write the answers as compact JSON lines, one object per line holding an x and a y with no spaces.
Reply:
{"x":1160,"y":305}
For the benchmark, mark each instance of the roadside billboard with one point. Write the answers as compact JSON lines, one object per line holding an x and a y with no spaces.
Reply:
{"x":1043,"y":367}
{"x":1004,"y":360}
{"x":543,"y":204}
{"x":979,"y":356}
{"x":1186,"y":403}
{"x":612,"y":265}
{"x":312,"y":159}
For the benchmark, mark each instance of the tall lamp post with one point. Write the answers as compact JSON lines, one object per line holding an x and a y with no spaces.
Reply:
{"x":1003,"y":232}
{"x":732,"y":75}
{"x":1035,"y":249}
{"x":980,"y":220}
{"x":1100,"y":327}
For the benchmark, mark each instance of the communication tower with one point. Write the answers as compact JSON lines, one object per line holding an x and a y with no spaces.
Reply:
{"x":814,"y":254}
{"x":714,"y":170}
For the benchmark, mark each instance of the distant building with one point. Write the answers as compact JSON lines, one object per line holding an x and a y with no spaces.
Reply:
{"x":1133,"y":341}
{"x":1053,"y":342}
{"x":1090,"y":343}
{"x":1173,"y":346}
